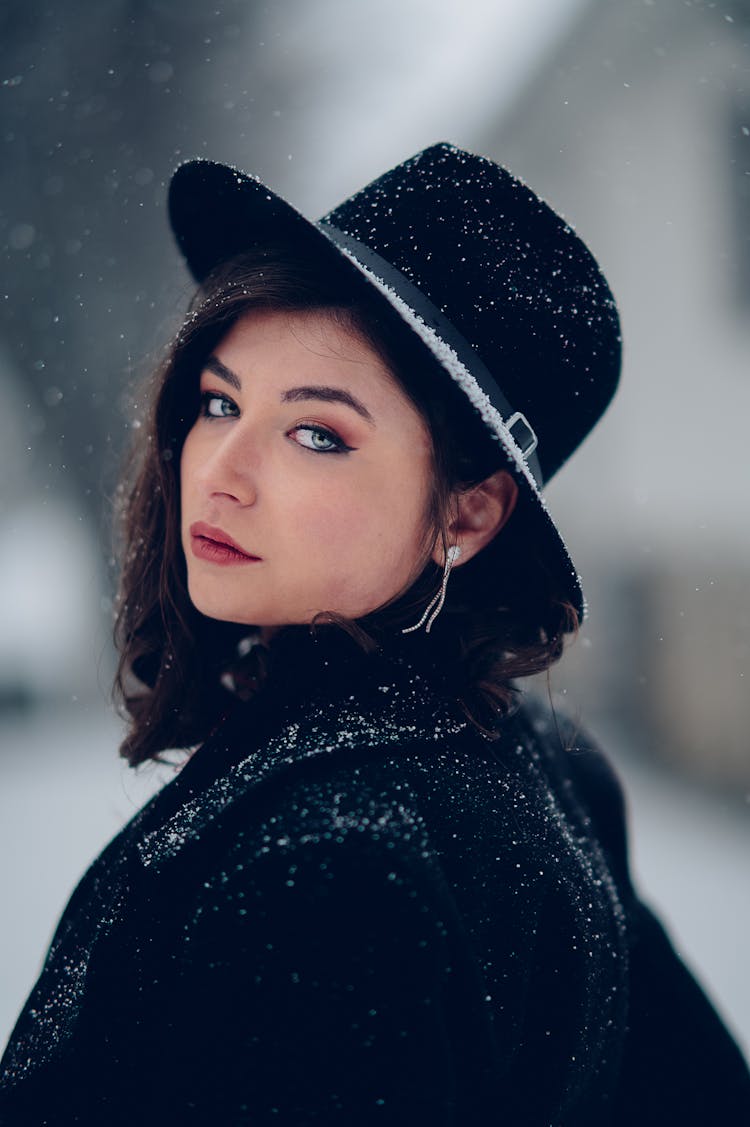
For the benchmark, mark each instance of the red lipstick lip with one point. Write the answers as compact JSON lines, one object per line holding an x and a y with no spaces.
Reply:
{"x":202,"y":531}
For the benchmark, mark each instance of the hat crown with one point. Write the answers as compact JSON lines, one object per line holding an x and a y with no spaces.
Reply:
{"x":509,"y":274}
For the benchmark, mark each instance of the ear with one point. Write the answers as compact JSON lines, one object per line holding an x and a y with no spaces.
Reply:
{"x":479,"y":514}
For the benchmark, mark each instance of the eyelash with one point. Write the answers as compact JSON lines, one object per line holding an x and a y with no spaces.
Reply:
{"x":339,"y":446}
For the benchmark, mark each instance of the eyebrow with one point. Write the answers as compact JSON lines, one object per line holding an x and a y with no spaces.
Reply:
{"x":213,"y":364}
{"x":328,"y":395}
{"x":295,"y":394}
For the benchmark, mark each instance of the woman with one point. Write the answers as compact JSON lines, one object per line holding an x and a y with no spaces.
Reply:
{"x":385,"y":888}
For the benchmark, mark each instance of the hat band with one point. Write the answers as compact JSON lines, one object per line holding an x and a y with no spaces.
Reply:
{"x":515,"y":422}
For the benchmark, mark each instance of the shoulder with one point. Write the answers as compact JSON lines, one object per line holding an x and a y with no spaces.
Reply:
{"x":329,"y":871}
{"x":320,"y":765}
{"x":318,"y":801}
{"x":441,"y":810}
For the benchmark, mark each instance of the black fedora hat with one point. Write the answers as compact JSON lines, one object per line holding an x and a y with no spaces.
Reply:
{"x":493,"y":283}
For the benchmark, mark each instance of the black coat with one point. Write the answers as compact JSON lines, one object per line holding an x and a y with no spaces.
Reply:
{"x":352,"y":908}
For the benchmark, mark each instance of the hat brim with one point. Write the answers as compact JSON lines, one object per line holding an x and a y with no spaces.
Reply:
{"x":218,"y":212}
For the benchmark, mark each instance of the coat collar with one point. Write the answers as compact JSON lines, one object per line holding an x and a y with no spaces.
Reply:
{"x":323,"y":694}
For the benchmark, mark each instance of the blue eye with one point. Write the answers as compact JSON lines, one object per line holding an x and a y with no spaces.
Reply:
{"x":320,"y":440}
{"x":216,"y":406}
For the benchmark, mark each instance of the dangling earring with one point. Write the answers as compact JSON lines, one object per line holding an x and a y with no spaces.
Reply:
{"x":450,"y":558}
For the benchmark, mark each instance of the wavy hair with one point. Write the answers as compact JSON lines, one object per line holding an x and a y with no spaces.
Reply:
{"x":500,"y":622}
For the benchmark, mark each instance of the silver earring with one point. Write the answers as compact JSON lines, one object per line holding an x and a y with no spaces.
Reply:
{"x":450,"y":558}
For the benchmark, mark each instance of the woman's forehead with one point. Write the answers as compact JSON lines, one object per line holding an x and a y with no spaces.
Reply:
{"x":281,"y":345}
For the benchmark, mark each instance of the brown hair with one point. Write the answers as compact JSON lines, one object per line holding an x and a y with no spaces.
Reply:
{"x":502,"y":619}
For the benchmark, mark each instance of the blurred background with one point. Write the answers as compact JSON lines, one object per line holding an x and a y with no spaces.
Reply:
{"x":632,"y":117}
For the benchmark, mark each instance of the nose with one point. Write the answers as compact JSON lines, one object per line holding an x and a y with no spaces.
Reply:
{"x":230,"y":469}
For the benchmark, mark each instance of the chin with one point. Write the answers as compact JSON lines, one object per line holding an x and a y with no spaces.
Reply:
{"x":217,"y":606}
{"x":223,"y":614}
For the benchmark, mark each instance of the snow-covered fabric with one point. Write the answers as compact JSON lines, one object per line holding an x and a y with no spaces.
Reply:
{"x":350,"y":907}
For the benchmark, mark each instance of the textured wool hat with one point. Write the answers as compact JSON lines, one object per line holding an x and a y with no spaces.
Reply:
{"x":494,"y":284}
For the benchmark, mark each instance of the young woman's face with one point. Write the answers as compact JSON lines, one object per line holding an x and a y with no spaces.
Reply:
{"x":305,"y":479}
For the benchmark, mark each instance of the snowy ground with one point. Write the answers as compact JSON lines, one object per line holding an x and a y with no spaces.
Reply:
{"x":65,"y":793}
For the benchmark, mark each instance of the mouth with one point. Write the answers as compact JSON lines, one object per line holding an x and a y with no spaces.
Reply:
{"x":210,"y":543}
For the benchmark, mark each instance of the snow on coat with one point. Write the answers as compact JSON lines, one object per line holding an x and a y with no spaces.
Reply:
{"x":351,"y":907}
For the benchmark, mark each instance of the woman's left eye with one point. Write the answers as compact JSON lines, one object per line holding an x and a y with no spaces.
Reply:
{"x":321,"y":440}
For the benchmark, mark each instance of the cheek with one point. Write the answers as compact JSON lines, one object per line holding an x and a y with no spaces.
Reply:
{"x":191,"y":470}
{"x":329,"y":525}
{"x":364,"y":529}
